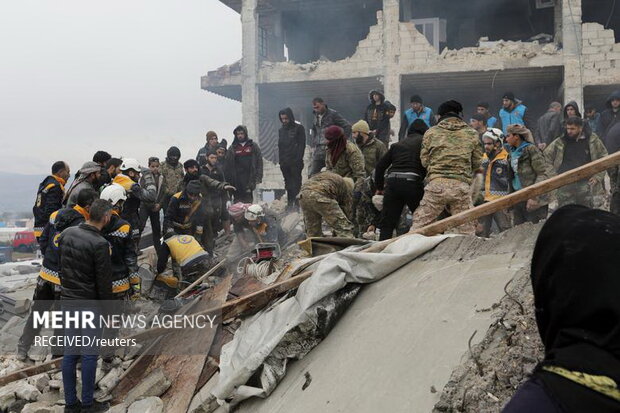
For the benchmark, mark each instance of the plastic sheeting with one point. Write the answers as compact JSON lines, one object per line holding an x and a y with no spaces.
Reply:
{"x":254,"y":362}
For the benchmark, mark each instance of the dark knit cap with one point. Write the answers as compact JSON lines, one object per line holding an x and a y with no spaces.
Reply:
{"x":193,"y":187}
{"x":416,"y":99}
{"x":191,"y":162}
{"x":174,"y":151}
{"x":333,"y":132}
{"x":509,"y":96}
{"x":451,"y":106}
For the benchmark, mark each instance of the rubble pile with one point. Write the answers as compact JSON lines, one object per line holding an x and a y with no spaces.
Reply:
{"x":493,"y":369}
{"x":502,"y":49}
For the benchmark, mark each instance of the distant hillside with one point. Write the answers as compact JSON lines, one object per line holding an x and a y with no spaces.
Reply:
{"x":17,"y":192}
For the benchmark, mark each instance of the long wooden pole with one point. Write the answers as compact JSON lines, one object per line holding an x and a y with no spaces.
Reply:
{"x":201,"y":279}
{"x":251,"y":302}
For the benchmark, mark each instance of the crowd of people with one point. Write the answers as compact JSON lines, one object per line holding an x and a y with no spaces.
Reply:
{"x":358,"y":185}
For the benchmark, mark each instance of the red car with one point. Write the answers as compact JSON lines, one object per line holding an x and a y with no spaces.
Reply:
{"x":25,"y":241}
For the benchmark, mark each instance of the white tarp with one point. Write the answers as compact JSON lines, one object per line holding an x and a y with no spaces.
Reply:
{"x":262,"y":335}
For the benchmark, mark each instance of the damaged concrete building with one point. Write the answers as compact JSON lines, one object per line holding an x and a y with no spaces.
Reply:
{"x":295,"y":50}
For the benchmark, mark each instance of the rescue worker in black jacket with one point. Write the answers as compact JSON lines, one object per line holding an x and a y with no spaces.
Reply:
{"x":291,"y":148}
{"x":378,"y":114}
{"x":125,"y":277}
{"x":405,"y":178}
{"x":128,"y":179}
{"x":49,"y":196}
{"x":48,"y":283}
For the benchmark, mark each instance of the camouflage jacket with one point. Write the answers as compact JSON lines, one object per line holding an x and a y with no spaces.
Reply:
{"x":531,"y":169}
{"x":349,"y":165}
{"x":452,"y":150}
{"x":173,"y":178}
{"x":331,"y":186}
{"x":373,"y":151}
{"x":555,"y":153}
{"x":366,"y":212}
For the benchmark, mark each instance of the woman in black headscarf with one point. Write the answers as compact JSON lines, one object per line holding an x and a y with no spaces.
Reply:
{"x":576,"y":282}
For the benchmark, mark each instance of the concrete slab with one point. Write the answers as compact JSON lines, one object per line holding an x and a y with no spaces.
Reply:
{"x":404,"y":334}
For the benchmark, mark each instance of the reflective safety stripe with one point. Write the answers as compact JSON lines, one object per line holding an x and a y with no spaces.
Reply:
{"x":120,"y":286}
{"x":134,"y":278}
{"x":49,"y":275}
{"x":38,"y":232}
{"x":600,"y":384}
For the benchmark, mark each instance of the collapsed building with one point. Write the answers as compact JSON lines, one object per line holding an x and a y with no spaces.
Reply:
{"x":294,"y":50}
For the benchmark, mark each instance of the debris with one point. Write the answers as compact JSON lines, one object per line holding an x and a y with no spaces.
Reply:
{"x":148,"y":405}
{"x":111,"y":379}
{"x":27,"y":392}
{"x":155,"y":384}
{"x":308,"y":381}
{"x":42,"y":407}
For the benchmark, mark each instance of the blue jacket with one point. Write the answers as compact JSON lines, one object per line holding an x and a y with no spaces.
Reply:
{"x":426,"y":115}
{"x":515,"y":116}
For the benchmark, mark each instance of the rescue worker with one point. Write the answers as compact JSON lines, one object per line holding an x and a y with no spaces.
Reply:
{"x":324,"y":117}
{"x":49,"y":196}
{"x":377,"y":116}
{"x":405,"y":178}
{"x":125,"y":276}
{"x":496,"y":170}
{"x":327,"y":196}
{"x":215,"y":200}
{"x":372,"y":148}
{"x":451,"y":153}
{"x":244,"y":165}
{"x":189,"y":261}
{"x":250,"y":229}
{"x":416,"y":111}
{"x":291,"y":148}
{"x":192,"y":171}
{"x":88,"y":177}
{"x":172,"y":171}
{"x":483,"y":109}
{"x":513,"y":112}
{"x":48,"y":284}
{"x":111,"y":170}
{"x":102,"y":158}
{"x":527,"y":167}
{"x":211,"y":145}
{"x":128,"y":179}
{"x":577,"y":147}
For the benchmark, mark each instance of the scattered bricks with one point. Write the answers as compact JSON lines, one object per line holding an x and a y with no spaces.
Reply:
{"x":154,"y":385}
{"x":27,"y":392}
{"x":55,"y":384}
{"x":7,"y":399}
{"x":40,"y":381}
{"x":119,"y":408}
{"x":148,"y":405}
{"x":42,"y":407}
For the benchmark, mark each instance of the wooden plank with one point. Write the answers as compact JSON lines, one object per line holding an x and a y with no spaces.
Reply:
{"x":202,"y":278}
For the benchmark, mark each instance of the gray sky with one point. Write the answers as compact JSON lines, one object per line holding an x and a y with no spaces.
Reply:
{"x":123,"y":76}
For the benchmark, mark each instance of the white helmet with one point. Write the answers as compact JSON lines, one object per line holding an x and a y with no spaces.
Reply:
{"x":130,"y":163}
{"x":254,"y":212}
{"x":494,"y":134}
{"x":113,"y":193}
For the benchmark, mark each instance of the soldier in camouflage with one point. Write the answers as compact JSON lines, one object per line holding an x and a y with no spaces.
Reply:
{"x":451,"y":153}
{"x":578,"y":146}
{"x":327,"y":196}
{"x":372,"y":148}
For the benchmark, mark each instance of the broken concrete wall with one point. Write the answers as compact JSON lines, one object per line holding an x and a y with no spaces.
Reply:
{"x":600,"y":55}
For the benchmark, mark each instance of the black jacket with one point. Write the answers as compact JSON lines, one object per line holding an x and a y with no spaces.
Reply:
{"x":182,"y":214}
{"x":85,"y":264}
{"x":291,"y":141}
{"x":403,"y":156}
{"x":378,"y":116}
{"x":256,"y":170}
{"x":329,"y":118}
{"x":49,"y":199}
{"x":58,"y":222}
{"x":124,"y":258}
{"x":608,"y":117}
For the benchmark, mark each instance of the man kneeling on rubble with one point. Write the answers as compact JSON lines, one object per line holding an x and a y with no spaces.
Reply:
{"x":327,"y":196}
{"x":251,"y":226}
{"x":189,"y":261}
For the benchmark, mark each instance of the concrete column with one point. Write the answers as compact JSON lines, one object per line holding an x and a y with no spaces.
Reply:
{"x":249,"y":67}
{"x":391,"y":58}
{"x":572,"y":48}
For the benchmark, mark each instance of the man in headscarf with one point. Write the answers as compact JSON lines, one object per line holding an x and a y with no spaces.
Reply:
{"x":575,"y":281}
{"x":87,"y":178}
{"x":343,"y":157}
{"x":451,"y":153}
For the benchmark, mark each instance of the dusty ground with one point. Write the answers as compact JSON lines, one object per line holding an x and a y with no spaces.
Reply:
{"x":492,"y":370}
